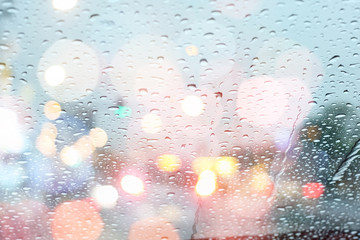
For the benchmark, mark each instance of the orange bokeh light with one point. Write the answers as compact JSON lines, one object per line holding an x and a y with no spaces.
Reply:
{"x":225,"y":166}
{"x":261,"y":183}
{"x":192,"y":50}
{"x":169,"y":163}
{"x":76,"y":220}
{"x":52,"y":110}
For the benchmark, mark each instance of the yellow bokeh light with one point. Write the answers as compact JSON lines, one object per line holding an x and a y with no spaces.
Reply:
{"x":132,"y":185}
{"x":192,"y":50}
{"x":206,"y":184}
{"x":98,"y":137}
{"x":52,"y":110}
{"x":5,"y":73}
{"x":46,"y":145}
{"x":64,"y":5}
{"x":68,"y":70}
{"x":50,"y":130}
{"x":261,"y":183}
{"x":70,"y":156}
{"x":55,"y":75}
{"x":259,"y":168}
{"x":192,"y":106}
{"x":169,"y":163}
{"x":225,"y":166}
{"x":151,"y":123}
{"x":84,"y":146}
{"x":201,"y":164}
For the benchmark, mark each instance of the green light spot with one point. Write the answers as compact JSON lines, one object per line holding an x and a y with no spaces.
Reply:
{"x":123,"y":112}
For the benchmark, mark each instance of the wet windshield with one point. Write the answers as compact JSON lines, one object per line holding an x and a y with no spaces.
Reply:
{"x":179,"y":119}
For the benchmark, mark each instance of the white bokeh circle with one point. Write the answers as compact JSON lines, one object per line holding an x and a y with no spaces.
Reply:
{"x":79,"y":64}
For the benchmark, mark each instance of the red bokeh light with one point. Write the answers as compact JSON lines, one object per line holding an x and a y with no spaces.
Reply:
{"x":313,"y":190}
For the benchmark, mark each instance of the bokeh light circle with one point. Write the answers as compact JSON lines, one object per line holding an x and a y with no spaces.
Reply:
{"x":261,"y":101}
{"x":64,"y":5}
{"x":70,"y":156}
{"x":77,"y":62}
{"x":98,"y":137}
{"x":105,"y":196}
{"x":168,"y":162}
{"x":265,"y":101}
{"x":14,"y":123}
{"x":76,"y":220}
{"x":54,"y":75}
{"x":261,"y":184}
{"x":206,"y":184}
{"x":45,"y":142}
{"x":132,"y":185}
{"x":192,"y":106}
{"x":313,"y":190}
{"x":151,"y":123}
{"x":225,"y":166}
{"x":192,"y":50}
{"x":202,"y":164}
{"x":285,"y":58}
{"x":52,"y":110}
